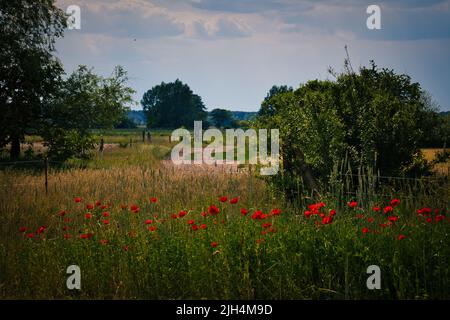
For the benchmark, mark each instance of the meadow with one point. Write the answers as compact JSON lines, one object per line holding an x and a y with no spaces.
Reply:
{"x":141,"y":228}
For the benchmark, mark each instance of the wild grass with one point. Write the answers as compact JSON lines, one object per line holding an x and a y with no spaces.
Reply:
{"x":300,"y":258}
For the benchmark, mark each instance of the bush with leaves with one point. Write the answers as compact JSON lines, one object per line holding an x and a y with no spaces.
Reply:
{"x":375,"y":118}
{"x":86,"y":101}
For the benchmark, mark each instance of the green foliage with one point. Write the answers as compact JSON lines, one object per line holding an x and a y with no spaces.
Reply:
{"x":375,"y":118}
{"x":66,"y":144}
{"x":172,"y":105}
{"x":126,"y":123}
{"x":222,"y":118}
{"x":85,"y":101}
{"x":29,"y":74}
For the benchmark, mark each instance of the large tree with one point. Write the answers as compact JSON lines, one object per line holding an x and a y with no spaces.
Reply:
{"x":172,"y":105}
{"x":222,"y":118}
{"x":29,"y":73}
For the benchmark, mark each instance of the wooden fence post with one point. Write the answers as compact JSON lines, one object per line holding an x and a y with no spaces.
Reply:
{"x":46,"y":175}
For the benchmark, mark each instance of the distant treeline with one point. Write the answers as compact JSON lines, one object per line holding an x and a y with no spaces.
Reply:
{"x":137,"y":118}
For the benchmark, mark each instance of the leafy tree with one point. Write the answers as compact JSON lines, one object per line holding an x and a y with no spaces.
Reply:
{"x":85,"y":101}
{"x":222,"y":118}
{"x":374,"y":118}
{"x":172,"y":105}
{"x":126,"y":123}
{"x":267,"y":108}
{"x":29,"y":74}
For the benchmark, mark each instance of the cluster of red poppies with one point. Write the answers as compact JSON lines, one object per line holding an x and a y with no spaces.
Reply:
{"x":97,"y":212}
{"x":390,"y":217}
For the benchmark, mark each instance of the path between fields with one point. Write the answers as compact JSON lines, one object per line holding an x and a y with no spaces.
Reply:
{"x":217,"y":167}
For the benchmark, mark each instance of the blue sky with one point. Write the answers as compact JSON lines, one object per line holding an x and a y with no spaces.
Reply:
{"x":231,"y":52}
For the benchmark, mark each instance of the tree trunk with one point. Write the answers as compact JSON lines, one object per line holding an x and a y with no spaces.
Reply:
{"x":14,"y":152}
{"x":294,"y":163}
{"x":305,"y":170}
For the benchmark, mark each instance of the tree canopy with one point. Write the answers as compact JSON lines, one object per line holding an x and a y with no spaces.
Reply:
{"x":222,"y":118}
{"x":173,"y":105}
{"x":374,"y":118}
{"x":36,"y":98}
{"x":29,"y":73}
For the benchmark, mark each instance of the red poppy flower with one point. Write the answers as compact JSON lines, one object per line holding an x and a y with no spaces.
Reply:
{"x":424,"y":211}
{"x":41,"y":230}
{"x":181,"y":214}
{"x":213,"y":210}
{"x":439,"y":218}
{"x":67,"y":220}
{"x":332,"y":212}
{"x":401,"y":237}
{"x":316,"y":206}
{"x":393,"y":218}
{"x":266,"y":225}
{"x":376,"y":209}
{"x":152,"y":228}
{"x":65,"y":228}
{"x":30,"y":235}
{"x":148,"y":221}
{"x":125,"y":248}
{"x":429,"y":220}
{"x":214,"y":244}
{"x":370,"y":220}
{"x":104,"y":242}
{"x":23,"y":229}
{"x":223,"y":199}
{"x":88,"y":215}
{"x":365,"y":230}
{"x":86,"y":236}
{"x":98,"y":203}
{"x":62,"y":213}
{"x":204,"y":214}
{"x":191,"y":222}
{"x":307,"y":214}
{"x":105,"y":214}
{"x":134,"y":207}
{"x":234,"y":200}
{"x":352,"y":204}
{"x":203,"y":226}
{"x":257,"y":215}
{"x":194,"y":227}
{"x":244,"y":211}
{"x":276,"y":212}
{"x":77,"y":199}
{"x":327,"y":220}
{"x":90,"y":206}
{"x":153,"y":200}
{"x":174,"y":216}
{"x":388,"y":209}
{"x":395,"y":202}
{"x":105,"y":222}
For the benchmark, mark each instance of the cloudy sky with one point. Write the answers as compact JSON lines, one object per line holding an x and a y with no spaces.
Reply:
{"x":231,"y":52}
